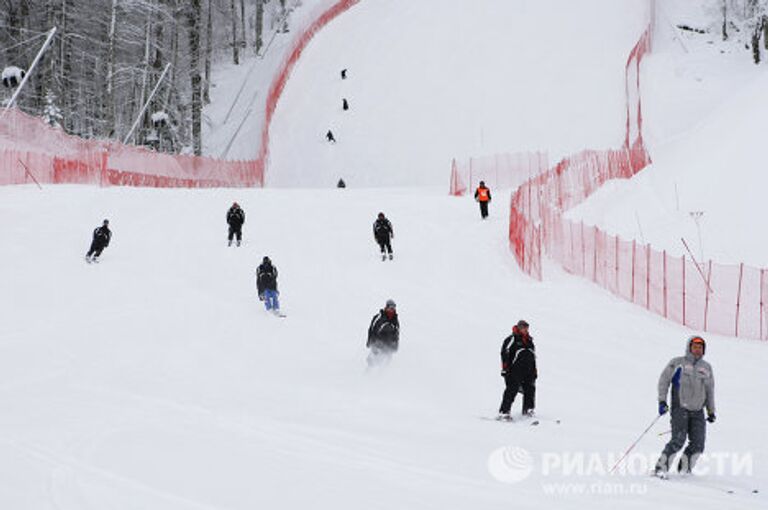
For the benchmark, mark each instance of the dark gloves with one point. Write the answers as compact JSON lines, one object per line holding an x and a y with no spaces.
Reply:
{"x":663,"y":408}
{"x":503,"y":373}
{"x":711,"y":418}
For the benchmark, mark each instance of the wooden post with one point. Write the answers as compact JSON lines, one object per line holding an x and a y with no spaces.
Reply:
{"x":616,"y":260}
{"x":738,"y":298}
{"x":648,"y":276}
{"x":634,"y":251}
{"x":594,"y":255}
{"x":683,"y":259}
{"x":762,"y":300}
{"x":665,"y":283}
{"x":583,"y":252}
{"x":706,"y":297}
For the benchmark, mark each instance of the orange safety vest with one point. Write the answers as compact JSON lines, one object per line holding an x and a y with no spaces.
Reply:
{"x":482,"y":194}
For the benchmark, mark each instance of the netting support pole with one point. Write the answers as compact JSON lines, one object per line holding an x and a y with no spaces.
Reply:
{"x":706,"y":297}
{"x":738,"y":298}
{"x":665,"y":283}
{"x":762,"y":301}
{"x":634,"y":256}
{"x":683,"y":260}
{"x":648,"y":276}
{"x":616,"y":260}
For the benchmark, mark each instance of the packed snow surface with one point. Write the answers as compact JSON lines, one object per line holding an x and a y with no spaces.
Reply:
{"x":434,"y":79}
{"x":155,"y":379}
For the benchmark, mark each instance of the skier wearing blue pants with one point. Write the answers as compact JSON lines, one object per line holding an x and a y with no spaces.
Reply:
{"x":266,"y":283}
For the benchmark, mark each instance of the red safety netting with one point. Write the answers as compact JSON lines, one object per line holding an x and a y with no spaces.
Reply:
{"x":31,"y":150}
{"x":499,"y":171}
{"x":722,"y":298}
{"x":284,"y":71}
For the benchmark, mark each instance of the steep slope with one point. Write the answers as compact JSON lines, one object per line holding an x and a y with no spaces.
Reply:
{"x":436,"y":79}
{"x":704,"y":113}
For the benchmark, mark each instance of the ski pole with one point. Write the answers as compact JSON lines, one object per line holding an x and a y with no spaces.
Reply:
{"x":634,"y":444}
{"x":664,"y":433}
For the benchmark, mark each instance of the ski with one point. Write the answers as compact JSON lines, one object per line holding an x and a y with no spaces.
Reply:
{"x":706,"y":484}
{"x":520,"y":420}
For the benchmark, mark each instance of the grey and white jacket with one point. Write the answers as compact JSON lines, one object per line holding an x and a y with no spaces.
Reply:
{"x":692,"y":381}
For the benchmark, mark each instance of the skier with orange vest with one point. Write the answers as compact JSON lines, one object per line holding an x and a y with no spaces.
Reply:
{"x":483,"y":196}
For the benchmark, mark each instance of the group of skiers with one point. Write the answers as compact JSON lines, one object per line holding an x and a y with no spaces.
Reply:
{"x":690,"y":377}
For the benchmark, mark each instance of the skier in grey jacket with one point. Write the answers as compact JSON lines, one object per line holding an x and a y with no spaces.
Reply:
{"x":693,"y":388}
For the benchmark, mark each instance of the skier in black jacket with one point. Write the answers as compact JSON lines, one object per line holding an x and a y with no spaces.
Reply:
{"x":383,"y":335}
{"x":266,"y":284}
{"x":383,"y":233}
{"x":101,"y":237}
{"x":518,"y":367}
{"x":235,"y":220}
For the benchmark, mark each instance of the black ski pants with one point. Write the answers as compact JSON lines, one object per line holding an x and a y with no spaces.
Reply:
{"x":96,"y":248}
{"x":235,"y":231}
{"x":384,"y":243}
{"x":484,"y":209}
{"x":685,"y":424}
{"x":513,"y":382}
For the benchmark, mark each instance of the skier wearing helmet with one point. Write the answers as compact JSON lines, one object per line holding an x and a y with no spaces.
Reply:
{"x":693,"y":389}
{"x":383,"y":233}
{"x":101,"y":237}
{"x":235,"y":220}
{"x":518,"y":368}
{"x":383,"y":334}
{"x":483,"y":197}
{"x":266,"y":284}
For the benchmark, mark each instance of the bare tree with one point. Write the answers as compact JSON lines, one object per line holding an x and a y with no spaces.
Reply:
{"x":193,"y":25}
{"x":208,"y":53}
{"x":243,"y":39}
{"x":235,"y":44}
{"x":259,"y":25}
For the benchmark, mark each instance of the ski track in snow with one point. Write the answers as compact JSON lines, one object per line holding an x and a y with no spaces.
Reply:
{"x":165,"y":383}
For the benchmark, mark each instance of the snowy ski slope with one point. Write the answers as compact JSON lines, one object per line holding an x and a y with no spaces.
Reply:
{"x":156,"y":379}
{"x":435,"y":79}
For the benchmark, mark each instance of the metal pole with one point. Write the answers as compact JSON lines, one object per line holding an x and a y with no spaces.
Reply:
{"x":146,"y":104}
{"x":30,"y":174}
{"x":698,"y":267}
{"x":634,"y":444}
{"x":30,"y":70}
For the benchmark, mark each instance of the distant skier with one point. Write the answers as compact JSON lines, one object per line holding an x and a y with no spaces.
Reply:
{"x":343,"y":74}
{"x":518,"y":368}
{"x":329,"y":136}
{"x":693,"y":388}
{"x":383,"y":335}
{"x":266,"y":284}
{"x":483,"y":196}
{"x":344,"y":104}
{"x":341,"y":184}
{"x":235,"y":220}
{"x":101,"y":237}
{"x":383,"y":233}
